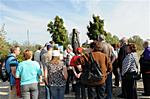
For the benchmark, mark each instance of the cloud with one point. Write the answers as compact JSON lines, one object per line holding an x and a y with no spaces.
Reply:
{"x":18,"y":22}
{"x":121,"y":17}
{"x":130,"y":18}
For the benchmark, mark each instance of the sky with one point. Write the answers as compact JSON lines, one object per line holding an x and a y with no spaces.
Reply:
{"x":123,"y":18}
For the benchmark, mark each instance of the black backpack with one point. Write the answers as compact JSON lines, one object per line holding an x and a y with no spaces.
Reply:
{"x":91,"y":74}
{"x":5,"y":75}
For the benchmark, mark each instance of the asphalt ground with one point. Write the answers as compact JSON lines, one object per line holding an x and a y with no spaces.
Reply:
{"x":117,"y":90}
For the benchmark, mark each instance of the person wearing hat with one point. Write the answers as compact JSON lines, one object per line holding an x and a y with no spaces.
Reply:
{"x":56,"y":76}
{"x":79,"y":88}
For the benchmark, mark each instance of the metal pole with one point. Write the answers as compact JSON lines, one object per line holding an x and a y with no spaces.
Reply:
{"x":28,"y":37}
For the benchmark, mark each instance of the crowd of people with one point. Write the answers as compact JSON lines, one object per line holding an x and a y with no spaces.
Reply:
{"x":58,"y":70}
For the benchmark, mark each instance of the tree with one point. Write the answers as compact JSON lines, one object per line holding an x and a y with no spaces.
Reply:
{"x":4,"y":45}
{"x":137,"y":40}
{"x":111,"y":39}
{"x":58,"y":32}
{"x":96,"y":28}
{"x":75,"y":39}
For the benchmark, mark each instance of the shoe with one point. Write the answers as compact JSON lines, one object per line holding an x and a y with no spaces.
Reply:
{"x":145,"y":94}
{"x":121,"y":96}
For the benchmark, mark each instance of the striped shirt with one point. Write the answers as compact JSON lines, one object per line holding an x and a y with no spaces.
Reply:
{"x":130,"y":63}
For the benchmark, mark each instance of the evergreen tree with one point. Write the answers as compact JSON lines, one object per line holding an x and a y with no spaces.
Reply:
{"x":96,"y":28}
{"x":58,"y":32}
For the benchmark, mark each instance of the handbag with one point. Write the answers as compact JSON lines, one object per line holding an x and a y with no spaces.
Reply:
{"x":92,"y":73}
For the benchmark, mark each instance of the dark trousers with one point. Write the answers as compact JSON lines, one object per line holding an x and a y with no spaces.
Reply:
{"x":116,"y":74}
{"x":108,"y":90}
{"x":146,"y":83}
{"x":123,"y":83}
{"x":69,"y":79}
{"x":130,"y":89}
{"x":96,"y":92}
{"x":80,"y":92}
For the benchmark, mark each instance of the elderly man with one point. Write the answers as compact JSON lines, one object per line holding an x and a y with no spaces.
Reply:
{"x":145,"y":67}
{"x":121,"y":55}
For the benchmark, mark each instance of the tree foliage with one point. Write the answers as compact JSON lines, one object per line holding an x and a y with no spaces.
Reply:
{"x":137,"y":40}
{"x":58,"y":32}
{"x":95,"y":28}
{"x":112,"y":39}
{"x":4,"y":45}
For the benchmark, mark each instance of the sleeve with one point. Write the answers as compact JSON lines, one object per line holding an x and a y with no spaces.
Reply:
{"x":72,"y":61}
{"x":108,"y":64}
{"x":126,"y":64}
{"x":39,"y":71}
{"x":65,"y":54}
{"x":18,"y":71}
{"x":13,"y":63}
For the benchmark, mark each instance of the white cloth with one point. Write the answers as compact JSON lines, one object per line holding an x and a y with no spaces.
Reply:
{"x":37,"y":55}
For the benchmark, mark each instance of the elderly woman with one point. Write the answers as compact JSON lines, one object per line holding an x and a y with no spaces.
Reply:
{"x":29,"y":71}
{"x":130,"y":67}
{"x":56,"y":76}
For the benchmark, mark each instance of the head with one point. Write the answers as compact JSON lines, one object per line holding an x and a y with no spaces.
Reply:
{"x":146,"y":43}
{"x":56,"y":54}
{"x":15,"y":50}
{"x":49,"y":47}
{"x":39,"y":47}
{"x":123,"y":41}
{"x":101,"y":37}
{"x":115,"y":46}
{"x":95,"y":46}
{"x":131,"y":48}
{"x":69,"y":48}
{"x":27,"y":54}
{"x":79,"y":50}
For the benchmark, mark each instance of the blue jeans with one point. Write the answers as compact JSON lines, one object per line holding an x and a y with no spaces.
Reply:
{"x":109,"y":86}
{"x":47,"y":90}
{"x":57,"y":92}
{"x":29,"y":91}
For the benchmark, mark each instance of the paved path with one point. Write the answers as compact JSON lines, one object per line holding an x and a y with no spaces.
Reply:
{"x":116,"y":91}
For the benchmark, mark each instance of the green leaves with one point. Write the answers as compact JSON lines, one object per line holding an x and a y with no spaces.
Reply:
{"x":95,"y":28}
{"x":58,"y":31}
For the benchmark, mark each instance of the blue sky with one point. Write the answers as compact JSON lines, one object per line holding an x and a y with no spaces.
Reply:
{"x":121,"y":17}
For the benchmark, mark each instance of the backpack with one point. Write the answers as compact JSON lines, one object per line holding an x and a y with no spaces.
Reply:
{"x":91,"y":74}
{"x":5,"y":75}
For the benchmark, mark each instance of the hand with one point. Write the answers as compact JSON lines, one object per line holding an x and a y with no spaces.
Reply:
{"x":78,"y":75}
{"x":70,"y":68}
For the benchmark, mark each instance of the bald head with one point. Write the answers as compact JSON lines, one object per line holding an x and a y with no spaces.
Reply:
{"x":124,"y":40}
{"x":146,"y":43}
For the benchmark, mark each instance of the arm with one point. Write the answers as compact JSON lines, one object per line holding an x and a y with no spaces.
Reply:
{"x":13,"y":63}
{"x":108,"y":64}
{"x":65,"y":74}
{"x":45,"y":75}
